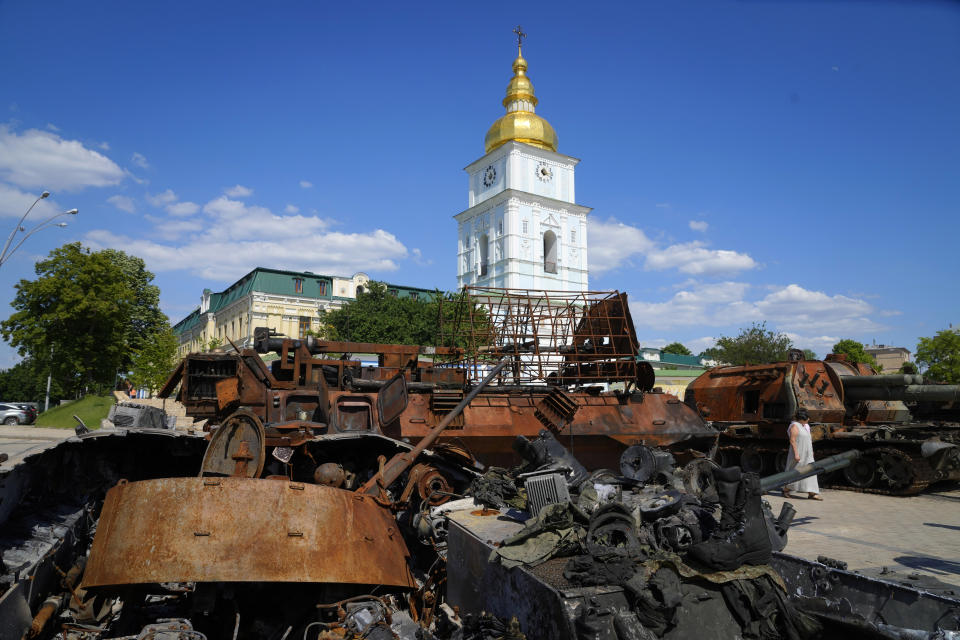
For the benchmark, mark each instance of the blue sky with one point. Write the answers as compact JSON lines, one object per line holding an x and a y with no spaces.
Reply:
{"x":795,"y":162}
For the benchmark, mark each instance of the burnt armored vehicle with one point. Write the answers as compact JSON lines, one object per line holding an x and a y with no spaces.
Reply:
{"x":573,"y":370}
{"x":114,"y":534}
{"x":908,"y":432}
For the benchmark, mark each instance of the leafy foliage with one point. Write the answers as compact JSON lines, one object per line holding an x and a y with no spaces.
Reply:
{"x":755,"y":345}
{"x":940,"y":356}
{"x":154,"y":360}
{"x":676,"y":348}
{"x":854,"y":351}
{"x":908,"y":367}
{"x":809,"y":354}
{"x":27,"y":382}
{"x":378,"y":316}
{"x":80,"y":316}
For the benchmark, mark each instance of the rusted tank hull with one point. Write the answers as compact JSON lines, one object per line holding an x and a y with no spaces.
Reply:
{"x":603,"y":425}
{"x":188,"y":530}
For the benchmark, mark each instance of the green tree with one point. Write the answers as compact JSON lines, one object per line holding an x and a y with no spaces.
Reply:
{"x":379,"y":316}
{"x":908,"y":367}
{"x":146,"y":319}
{"x":27,"y":382}
{"x":940,"y":356}
{"x":809,"y":354}
{"x":854,"y":351}
{"x":154,"y":360}
{"x":676,"y":348}
{"x":755,"y":345}
{"x":78,"y":318}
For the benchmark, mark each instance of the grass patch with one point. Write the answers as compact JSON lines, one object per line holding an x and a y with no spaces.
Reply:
{"x":91,"y":409}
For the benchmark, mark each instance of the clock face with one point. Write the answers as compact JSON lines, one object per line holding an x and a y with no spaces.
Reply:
{"x":489,"y":176}
{"x":544,"y":172}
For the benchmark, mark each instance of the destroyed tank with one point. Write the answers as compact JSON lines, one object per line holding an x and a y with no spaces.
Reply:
{"x":573,"y":370}
{"x":115,"y":534}
{"x":908,"y":432}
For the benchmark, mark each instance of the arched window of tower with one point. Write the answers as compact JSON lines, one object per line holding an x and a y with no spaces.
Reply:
{"x":550,"y":252}
{"x":484,"y":251}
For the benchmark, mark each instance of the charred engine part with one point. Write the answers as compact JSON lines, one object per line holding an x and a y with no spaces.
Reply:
{"x":545,"y":488}
{"x":546,"y":453}
{"x":642,"y":463}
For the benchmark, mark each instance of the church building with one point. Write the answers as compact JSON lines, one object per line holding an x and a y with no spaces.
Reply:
{"x":523,"y":228}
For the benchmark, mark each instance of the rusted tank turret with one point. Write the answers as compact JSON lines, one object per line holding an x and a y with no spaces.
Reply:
{"x":850,"y":407}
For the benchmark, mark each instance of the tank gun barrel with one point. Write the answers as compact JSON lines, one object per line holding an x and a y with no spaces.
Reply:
{"x":825,"y":465}
{"x":884,"y":380}
{"x":904,"y":393}
{"x":399,"y":463}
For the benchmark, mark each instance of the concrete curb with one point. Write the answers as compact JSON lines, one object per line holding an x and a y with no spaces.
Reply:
{"x":35,"y":433}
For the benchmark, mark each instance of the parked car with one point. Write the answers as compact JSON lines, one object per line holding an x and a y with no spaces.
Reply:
{"x":30,"y":410}
{"x":12,"y":414}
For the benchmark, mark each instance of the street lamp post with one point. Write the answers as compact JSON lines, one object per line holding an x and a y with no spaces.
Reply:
{"x":8,"y":251}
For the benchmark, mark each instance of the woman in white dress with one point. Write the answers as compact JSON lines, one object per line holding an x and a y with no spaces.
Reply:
{"x":801,"y":452}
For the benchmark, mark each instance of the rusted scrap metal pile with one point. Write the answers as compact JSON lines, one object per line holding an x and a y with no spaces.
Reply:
{"x":332,"y":500}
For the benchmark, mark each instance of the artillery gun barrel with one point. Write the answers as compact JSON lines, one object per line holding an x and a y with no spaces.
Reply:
{"x":884,"y":380}
{"x":825,"y":465}
{"x":399,"y":463}
{"x":904,"y":393}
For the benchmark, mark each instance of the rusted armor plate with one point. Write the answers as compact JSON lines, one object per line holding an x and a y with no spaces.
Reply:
{"x":243,"y":530}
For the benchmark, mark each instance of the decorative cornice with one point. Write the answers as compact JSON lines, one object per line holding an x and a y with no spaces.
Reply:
{"x":523,"y":197}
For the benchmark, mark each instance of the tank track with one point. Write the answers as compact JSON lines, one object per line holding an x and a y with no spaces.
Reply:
{"x":903,"y":473}
{"x":895,"y":472}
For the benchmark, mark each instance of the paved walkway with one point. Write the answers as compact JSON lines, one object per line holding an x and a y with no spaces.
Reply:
{"x":918,"y":534}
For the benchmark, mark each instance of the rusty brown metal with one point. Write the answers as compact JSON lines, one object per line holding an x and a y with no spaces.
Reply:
{"x":572,"y":368}
{"x":243,"y":530}
{"x":557,"y":337}
{"x":238,"y":448}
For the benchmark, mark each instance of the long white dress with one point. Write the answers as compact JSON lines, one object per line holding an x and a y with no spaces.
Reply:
{"x":805,"y":453}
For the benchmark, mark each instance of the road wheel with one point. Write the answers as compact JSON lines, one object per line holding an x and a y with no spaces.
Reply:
{"x":862,"y":472}
{"x":11,"y":420}
{"x":752,"y":460}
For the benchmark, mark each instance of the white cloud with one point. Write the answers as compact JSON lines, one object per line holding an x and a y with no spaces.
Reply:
{"x":694,"y":259}
{"x":183,"y":208}
{"x":104,"y":145}
{"x":699,"y":225}
{"x":229,"y":237}
{"x":305,"y":184}
{"x":52,"y":127}
{"x":663,"y":205}
{"x":290,"y":208}
{"x":14,"y":203}
{"x":37,"y":158}
{"x":613,"y":244}
{"x":162,"y":199}
{"x":139,"y":160}
{"x":811,"y":318}
{"x":238,"y":191}
{"x":124,"y":203}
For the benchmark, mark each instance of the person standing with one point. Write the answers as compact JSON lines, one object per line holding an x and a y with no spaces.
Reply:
{"x":801,"y":452}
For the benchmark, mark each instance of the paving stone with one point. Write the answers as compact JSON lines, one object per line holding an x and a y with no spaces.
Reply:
{"x":914,"y":534}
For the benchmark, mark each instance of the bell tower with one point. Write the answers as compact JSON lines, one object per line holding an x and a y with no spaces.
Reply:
{"x":522,"y":228}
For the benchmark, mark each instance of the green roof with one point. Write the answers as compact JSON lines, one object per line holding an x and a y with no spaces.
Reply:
{"x":279,"y":282}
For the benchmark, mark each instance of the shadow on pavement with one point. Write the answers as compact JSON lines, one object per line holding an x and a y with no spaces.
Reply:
{"x":937,"y":566}
{"x":799,"y":522}
{"x":942,"y":526}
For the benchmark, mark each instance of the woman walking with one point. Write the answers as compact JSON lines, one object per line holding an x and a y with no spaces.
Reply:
{"x":801,"y":452}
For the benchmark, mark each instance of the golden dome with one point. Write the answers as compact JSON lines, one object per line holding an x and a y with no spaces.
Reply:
{"x":521,"y":123}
